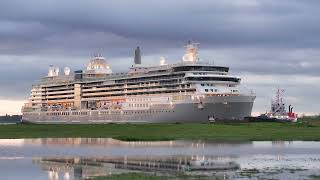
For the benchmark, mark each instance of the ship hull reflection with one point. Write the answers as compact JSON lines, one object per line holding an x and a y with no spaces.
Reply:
{"x":79,"y":168}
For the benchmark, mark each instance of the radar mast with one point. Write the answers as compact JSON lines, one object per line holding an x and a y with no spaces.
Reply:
{"x":191,"y":55}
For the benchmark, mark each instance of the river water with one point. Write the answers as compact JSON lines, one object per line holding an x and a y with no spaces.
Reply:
{"x":79,"y":158}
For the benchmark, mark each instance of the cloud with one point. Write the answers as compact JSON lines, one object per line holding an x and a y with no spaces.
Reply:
{"x":217,"y":23}
{"x":10,"y":106}
{"x":280,"y":80}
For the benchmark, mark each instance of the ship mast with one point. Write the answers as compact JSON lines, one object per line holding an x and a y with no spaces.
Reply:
{"x":279,"y":96}
{"x":191,"y":55}
{"x":277,"y":106}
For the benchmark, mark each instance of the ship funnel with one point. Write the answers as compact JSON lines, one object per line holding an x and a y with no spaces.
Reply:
{"x":137,"y":56}
{"x":290,"y":108}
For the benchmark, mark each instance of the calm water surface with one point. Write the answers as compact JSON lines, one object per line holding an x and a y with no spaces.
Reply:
{"x":79,"y":158}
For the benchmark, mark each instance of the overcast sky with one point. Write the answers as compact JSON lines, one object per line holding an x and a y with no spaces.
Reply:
{"x":269,"y":43}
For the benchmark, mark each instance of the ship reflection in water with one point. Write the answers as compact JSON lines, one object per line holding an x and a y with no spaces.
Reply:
{"x":80,"y":168}
{"x":80,"y":158}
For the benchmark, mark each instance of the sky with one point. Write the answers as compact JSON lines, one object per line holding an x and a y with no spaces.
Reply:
{"x":270,"y":44}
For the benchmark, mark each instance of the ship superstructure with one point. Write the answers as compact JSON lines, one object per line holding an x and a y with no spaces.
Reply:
{"x":190,"y":91}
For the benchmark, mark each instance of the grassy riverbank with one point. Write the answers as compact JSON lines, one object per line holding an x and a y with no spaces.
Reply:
{"x":307,"y":130}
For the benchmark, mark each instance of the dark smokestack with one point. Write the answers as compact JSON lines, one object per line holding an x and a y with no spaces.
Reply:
{"x":137,"y":56}
{"x":290,"y":108}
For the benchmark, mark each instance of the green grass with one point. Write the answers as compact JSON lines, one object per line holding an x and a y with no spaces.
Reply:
{"x":313,"y":120}
{"x":314,"y":177}
{"x":127,"y":176}
{"x":152,"y":132}
{"x":141,"y":176}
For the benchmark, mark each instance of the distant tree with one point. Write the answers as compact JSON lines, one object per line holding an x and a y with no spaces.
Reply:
{"x":8,"y":118}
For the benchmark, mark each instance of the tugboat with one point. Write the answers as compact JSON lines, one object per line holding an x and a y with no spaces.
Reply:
{"x":278,"y":111}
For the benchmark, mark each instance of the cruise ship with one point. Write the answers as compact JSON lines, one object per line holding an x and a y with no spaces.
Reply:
{"x":188,"y":91}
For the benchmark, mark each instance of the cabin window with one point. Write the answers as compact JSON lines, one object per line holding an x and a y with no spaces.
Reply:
{"x":213,"y":79}
{"x":206,"y":90}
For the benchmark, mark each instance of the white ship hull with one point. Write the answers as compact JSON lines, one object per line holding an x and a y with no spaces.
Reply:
{"x":221,"y":108}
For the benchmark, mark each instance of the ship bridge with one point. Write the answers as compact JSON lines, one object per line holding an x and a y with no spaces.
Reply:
{"x":200,"y":67}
